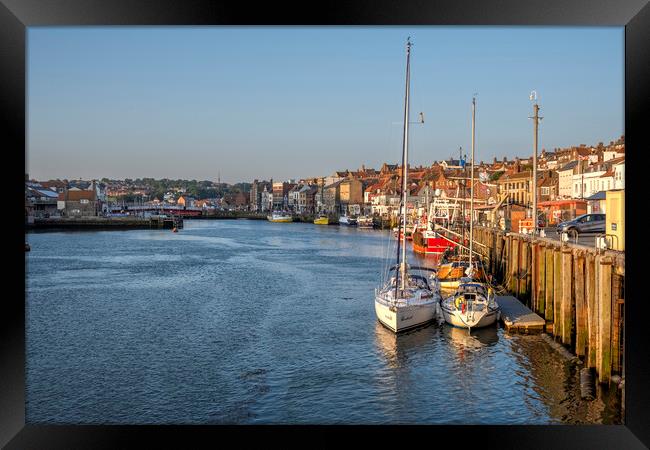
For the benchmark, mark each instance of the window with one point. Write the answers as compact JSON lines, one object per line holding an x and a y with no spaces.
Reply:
{"x":84,"y":201}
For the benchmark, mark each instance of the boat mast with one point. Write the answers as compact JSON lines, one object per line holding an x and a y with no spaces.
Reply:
{"x":405,"y":159}
{"x":471,"y":190}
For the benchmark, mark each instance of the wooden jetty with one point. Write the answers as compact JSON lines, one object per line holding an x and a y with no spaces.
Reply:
{"x":517,"y":317}
{"x":578,"y":292}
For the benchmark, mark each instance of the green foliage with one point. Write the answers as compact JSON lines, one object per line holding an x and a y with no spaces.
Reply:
{"x":496,"y":175}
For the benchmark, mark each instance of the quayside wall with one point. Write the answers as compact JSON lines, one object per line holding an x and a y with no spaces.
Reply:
{"x":578,"y":290}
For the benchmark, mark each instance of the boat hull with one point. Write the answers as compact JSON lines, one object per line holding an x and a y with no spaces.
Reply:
{"x":322,"y":221}
{"x":365,"y":222}
{"x":404,"y":318}
{"x":347,"y":222}
{"x":430,"y":243}
{"x":281,"y":220}
{"x":458,"y":319}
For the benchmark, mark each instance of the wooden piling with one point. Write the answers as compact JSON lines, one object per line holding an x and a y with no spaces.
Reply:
{"x":540,"y":281}
{"x":617,"y":318}
{"x":522,"y":273}
{"x":514,"y":268}
{"x":605,"y":317}
{"x":557,"y":292}
{"x":548,"y":292}
{"x":581,"y":305}
{"x":533,"y":276}
{"x":565,"y":302}
{"x":592,"y":310}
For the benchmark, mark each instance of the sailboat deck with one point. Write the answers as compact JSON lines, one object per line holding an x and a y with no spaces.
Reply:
{"x":518,"y":317}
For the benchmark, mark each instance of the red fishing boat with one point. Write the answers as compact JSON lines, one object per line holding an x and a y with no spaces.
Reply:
{"x":429,"y":242}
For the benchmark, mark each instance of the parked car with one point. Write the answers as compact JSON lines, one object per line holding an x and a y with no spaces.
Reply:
{"x":586,"y":223}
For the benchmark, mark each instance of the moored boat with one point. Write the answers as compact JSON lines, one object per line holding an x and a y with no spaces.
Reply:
{"x":322,"y":220}
{"x":406,"y":300}
{"x":471,"y":305}
{"x":429,"y":242}
{"x":412,"y":304}
{"x":278,"y":216}
{"x":365,"y":222}
{"x":451,"y":272}
{"x":398,"y":232}
{"x":349,"y":221}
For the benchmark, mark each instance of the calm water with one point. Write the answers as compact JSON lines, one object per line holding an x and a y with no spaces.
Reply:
{"x":255,"y":322}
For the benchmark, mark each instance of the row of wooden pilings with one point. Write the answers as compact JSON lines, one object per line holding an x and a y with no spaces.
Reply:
{"x":578,"y":290}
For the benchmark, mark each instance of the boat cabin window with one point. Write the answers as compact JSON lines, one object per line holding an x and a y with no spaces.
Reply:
{"x":472,"y":289}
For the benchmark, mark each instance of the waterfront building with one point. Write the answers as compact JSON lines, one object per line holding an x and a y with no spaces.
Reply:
{"x":557,"y":211}
{"x":350,"y":193}
{"x":40,"y":201}
{"x":257,"y":187}
{"x":336,"y":176}
{"x":293,"y":197}
{"x":516,"y":186}
{"x":332,"y":197}
{"x":185,"y":200}
{"x":306,"y":199}
{"x":75,"y":202}
{"x":619,"y":173}
{"x":266,"y":199}
{"x":585,"y":182}
{"x":280,"y":195}
{"x":547,"y":185}
{"x":565,"y":179}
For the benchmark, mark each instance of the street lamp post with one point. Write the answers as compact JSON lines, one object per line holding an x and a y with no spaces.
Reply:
{"x":536,"y":118}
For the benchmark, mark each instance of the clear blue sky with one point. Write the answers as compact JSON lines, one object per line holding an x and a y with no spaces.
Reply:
{"x":282,"y":102}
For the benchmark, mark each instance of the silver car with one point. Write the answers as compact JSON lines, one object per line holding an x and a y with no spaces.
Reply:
{"x":586,"y":223}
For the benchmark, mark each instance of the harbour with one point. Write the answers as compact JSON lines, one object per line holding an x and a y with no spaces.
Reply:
{"x":447,"y":291}
{"x":260,"y":322}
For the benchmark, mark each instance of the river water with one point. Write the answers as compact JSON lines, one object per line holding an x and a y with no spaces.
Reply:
{"x":252,"y":322}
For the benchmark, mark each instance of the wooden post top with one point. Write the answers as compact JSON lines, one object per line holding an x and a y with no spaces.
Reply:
{"x":606,"y":260}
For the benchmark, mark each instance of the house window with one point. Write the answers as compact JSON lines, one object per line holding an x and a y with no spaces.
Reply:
{"x":84,"y":201}
{"x":545,"y":190}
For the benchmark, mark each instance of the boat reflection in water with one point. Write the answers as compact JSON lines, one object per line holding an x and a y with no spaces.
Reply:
{"x":479,"y":337}
{"x":398,"y":348}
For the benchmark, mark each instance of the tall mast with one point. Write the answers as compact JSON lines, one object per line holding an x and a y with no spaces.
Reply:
{"x":405,"y":160}
{"x":471,"y":186}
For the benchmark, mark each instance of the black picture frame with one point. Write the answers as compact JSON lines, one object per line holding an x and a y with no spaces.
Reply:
{"x":17,"y":15}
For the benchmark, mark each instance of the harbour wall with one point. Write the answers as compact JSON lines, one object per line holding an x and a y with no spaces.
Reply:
{"x":578,"y":290}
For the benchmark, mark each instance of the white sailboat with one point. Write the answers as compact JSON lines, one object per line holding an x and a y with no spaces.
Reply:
{"x":473,"y":303}
{"x":406,"y":300}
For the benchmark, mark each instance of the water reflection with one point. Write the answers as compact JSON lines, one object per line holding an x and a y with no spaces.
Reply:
{"x":142,"y":327}
{"x":398,"y":348}
{"x":478,"y":338}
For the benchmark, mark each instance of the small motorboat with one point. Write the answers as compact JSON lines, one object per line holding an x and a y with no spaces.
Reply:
{"x":322,"y":220}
